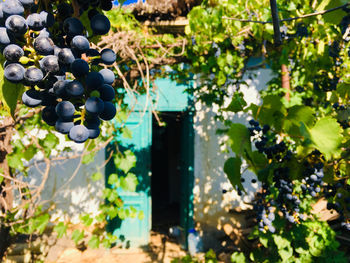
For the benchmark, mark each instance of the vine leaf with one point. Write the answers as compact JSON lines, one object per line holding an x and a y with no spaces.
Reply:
{"x":297,"y":114}
{"x":237,"y":104}
{"x":271,"y":111}
{"x":325,"y":136}
{"x":239,"y":139}
{"x":232,"y":168}
{"x":9,"y":94}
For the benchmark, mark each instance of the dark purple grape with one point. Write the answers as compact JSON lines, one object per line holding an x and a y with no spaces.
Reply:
{"x":100,"y":24}
{"x":35,"y":22}
{"x":108,"y":76}
{"x":33,"y":75}
{"x":13,"y":53}
{"x":59,"y":89}
{"x":64,"y":126}
{"x":94,"y":105}
{"x":108,"y":112}
{"x":14,"y":72}
{"x":47,"y":18}
{"x":94,"y":80}
{"x":92,"y":13}
{"x":74,"y":88}
{"x":73,"y":26}
{"x":65,"y":110}
{"x":12,"y":7}
{"x":107,"y":92}
{"x":27,"y":3}
{"x":31,"y":98}
{"x":44,"y":46}
{"x":50,"y":64}
{"x":6,"y":36}
{"x":79,"y":133}
{"x":16,"y":24}
{"x":65,"y":56}
{"x":79,"y":68}
{"x":108,"y":56}
{"x":80,"y":43}
{"x":49,"y":115}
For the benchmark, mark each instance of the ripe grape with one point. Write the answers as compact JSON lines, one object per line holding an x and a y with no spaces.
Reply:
{"x":33,"y":75}
{"x":31,"y":98}
{"x":100,"y":24}
{"x":49,"y":115}
{"x":79,"y":133}
{"x":13,"y":53}
{"x":108,"y":112}
{"x":94,"y":105}
{"x":74,"y":88}
{"x":63,"y":126}
{"x":14,"y":72}
{"x":65,"y":110}
{"x":108,"y":56}
{"x":79,"y":68}
{"x":107,"y":92}
{"x":108,"y":76}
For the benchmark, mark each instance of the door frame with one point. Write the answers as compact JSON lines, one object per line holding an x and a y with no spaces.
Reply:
{"x":170,"y":97}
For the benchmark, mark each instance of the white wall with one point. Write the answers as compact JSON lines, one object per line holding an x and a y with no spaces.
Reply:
{"x":211,"y":205}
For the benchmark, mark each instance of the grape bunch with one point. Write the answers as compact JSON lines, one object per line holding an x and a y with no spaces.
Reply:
{"x":47,"y":49}
{"x":265,"y":211}
{"x":338,"y":199}
{"x":287,"y":200}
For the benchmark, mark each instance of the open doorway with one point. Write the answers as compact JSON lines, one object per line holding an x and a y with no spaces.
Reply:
{"x":166,"y":171}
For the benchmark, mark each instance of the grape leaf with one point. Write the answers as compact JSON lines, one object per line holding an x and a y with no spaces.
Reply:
{"x":297,"y":114}
{"x":9,"y":94}
{"x":239,"y":139}
{"x":326,"y":136}
{"x":232,"y":168}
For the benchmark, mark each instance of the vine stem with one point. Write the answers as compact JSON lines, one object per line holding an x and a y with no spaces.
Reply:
{"x":291,"y":18}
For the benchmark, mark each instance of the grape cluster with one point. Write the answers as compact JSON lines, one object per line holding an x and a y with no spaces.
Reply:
{"x":313,"y":179}
{"x":338,"y":199}
{"x":287,"y":200}
{"x":47,"y":49}
{"x":265,"y":211}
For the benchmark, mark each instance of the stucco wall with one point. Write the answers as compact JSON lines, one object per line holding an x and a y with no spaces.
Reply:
{"x":211,"y":206}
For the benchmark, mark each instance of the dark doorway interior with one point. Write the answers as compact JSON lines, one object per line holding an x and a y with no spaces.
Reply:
{"x":166,"y":173}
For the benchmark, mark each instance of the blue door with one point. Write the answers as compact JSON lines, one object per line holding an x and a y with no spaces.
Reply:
{"x":171,"y":98}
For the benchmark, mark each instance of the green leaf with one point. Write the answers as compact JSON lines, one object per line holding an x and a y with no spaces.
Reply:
{"x":326,"y":136}
{"x":88,"y":158}
{"x":238,"y":257}
{"x":77,"y":236}
{"x":94,"y":242}
{"x":113,"y":179}
{"x":125,"y":161}
{"x":297,"y":114}
{"x":129,"y":182}
{"x":96,"y":176}
{"x":271,"y":112}
{"x":41,"y":222}
{"x":257,"y":161}
{"x":232,"y":168}
{"x":30,"y":152}
{"x":86,"y":220}
{"x":237,"y":104}
{"x":61,"y":229}
{"x":239,"y":139}
{"x":127,"y":133}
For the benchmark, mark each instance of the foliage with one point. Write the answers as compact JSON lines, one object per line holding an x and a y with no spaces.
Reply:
{"x":209,"y":257}
{"x":298,"y":137}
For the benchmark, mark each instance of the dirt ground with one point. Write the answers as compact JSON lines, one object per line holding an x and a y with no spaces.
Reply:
{"x":161,"y":249}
